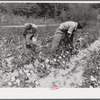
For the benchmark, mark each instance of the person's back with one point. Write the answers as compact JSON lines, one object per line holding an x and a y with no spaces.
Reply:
{"x":67,"y":25}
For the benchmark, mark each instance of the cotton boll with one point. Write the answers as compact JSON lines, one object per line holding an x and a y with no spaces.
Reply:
{"x":9,"y":84}
{"x":28,"y":74}
{"x":31,"y":71}
{"x":59,"y":57}
{"x":55,"y":59}
{"x":34,"y":40}
{"x":63,"y":56}
{"x":18,"y":82}
{"x":37,"y":83}
{"x":47,"y":60}
{"x":93,"y":79}
{"x":64,"y":62}
{"x":13,"y":79}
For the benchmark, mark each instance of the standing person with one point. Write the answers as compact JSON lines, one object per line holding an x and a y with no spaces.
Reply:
{"x":30,"y":35}
{"x":66,"y":32}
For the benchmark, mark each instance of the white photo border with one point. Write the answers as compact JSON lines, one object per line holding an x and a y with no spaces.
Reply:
{"x":47,"y":93}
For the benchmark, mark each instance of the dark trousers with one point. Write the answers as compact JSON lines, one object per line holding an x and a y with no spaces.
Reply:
{"x":71,"y":37}
{"x":58,"y":37}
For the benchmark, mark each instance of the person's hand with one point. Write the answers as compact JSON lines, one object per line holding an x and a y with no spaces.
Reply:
{"x":71,"y":47}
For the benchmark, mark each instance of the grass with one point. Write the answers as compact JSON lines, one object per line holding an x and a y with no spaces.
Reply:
{"x":7,"y":19}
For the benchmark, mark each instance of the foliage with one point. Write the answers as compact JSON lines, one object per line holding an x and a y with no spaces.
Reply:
{"x":57,"y":11}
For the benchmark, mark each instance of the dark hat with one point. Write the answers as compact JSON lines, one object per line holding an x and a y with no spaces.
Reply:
{"x":81,"y":24}
{"x":30,"y":25}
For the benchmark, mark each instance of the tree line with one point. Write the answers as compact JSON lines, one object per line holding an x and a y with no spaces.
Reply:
{"x":62,"y":11}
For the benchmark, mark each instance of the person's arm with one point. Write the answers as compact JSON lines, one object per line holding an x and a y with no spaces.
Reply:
{"x":67,"y":36}
{"x":70,"y":31}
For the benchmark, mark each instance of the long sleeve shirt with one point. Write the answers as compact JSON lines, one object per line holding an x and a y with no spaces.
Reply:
{"x":70,"y":26}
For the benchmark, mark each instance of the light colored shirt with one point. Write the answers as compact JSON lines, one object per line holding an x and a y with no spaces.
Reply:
{"x":69,"y":25}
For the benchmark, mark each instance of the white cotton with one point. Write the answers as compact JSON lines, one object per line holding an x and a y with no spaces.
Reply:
{"x":34,"y":40}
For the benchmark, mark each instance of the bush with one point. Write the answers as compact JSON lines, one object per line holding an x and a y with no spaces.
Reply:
{"x":95,"y":6}
{"x":25,"y":10}
{"x":79,"y":12}
{"x":55,"y":11}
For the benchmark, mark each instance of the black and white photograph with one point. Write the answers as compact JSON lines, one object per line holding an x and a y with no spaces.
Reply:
{"x":49,"y":45}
